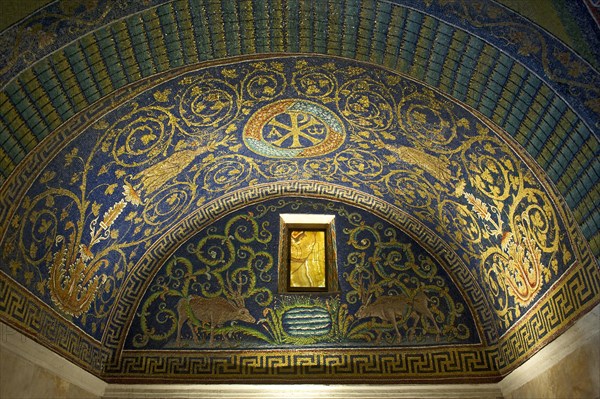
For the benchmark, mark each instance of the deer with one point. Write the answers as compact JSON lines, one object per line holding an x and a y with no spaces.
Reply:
{"x":214,"y":312}
{"x":389,"y":308}
{"x":421,"y":312}
{"x":396,"y":308}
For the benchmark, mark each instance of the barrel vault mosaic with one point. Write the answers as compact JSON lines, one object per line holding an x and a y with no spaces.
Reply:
{"x":143,"y":234}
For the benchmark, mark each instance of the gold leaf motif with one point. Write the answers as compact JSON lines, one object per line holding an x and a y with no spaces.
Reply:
{"x":131,"y":195}
{"x":112,"y":214}
{"x":390,"y":158}
{"x":103,"y":170}
{"x":480,"y":208}
{"x":301,"y":64}
{"x":44,"y":226}
{"x":47,"y":176}
{"x":162,"y":96}
{"x":554,"y":265}
{"x":482,"y":129}
{"x":172,"y":199}
{"x":387,"y":136}
{"x":147,"y":138}
{"x":486,"y":176}
{"x":231,"y":128}
{"x":353,"y":71}
{"x":70,"y":156}
{"x":110,"y":189}
{"x":75,"y":177}
{"x":229,"y":73}
{"x":41,"y":287}
{"x":16,"y":221}
{"x":567,"y":256}
{"x":463,"y":122}
{"x":101,"y":125}
{"x":85,"y":252}
{"x":49,"y":201}
{"x":489,"y":148}
{"x":14,"y":266}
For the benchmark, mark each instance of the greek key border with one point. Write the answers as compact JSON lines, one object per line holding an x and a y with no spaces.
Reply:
{"x":19,"y":309}
{"x":576,"y":293}
{"x":450,"y":364}
{"x":147,"y":266}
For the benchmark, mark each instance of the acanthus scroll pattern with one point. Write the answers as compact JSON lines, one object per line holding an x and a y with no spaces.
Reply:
{"x":182,"y":144}
{"x":230,"y":268}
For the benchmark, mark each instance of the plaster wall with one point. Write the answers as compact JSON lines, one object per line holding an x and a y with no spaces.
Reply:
{"x":577,"y":375}
{"x":29,"y":370}
{"x":568,"y":367}
{"x":19,"y":378}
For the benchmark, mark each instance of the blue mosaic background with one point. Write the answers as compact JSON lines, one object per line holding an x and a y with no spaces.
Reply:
{"x":125,"y":126}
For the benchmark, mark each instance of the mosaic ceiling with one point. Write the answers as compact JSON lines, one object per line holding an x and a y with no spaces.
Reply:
{"x":149,"y":150}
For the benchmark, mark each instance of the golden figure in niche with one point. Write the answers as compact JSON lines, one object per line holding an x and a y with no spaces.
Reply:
{"x":307,"y":259}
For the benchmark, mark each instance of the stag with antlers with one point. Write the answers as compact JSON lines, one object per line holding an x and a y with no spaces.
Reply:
{"x":393,"y":309}
{"x":212,"y":312}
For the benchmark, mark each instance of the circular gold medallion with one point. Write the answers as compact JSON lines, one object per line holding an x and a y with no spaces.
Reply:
{"x":293,"y":129}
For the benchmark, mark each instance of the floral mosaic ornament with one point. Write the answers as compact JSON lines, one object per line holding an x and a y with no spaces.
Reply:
{"x":76,"y":274}
{"x":117,"y":146}
{"x":231,"y":267}
{"x":139,"y":171}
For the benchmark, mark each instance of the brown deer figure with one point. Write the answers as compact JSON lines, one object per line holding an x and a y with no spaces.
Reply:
{"x":396,"y":308}
{"x":389,"y":308}
{"x":213,"y":312}
{"x":421,"y":312}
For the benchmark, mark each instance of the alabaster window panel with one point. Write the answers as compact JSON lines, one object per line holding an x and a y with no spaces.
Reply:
{"x":307,"y":254}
